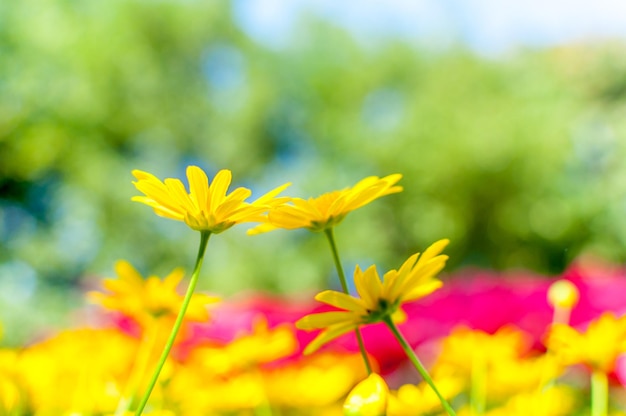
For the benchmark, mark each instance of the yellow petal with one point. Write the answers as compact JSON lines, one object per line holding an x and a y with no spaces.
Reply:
{"x":363,"y":197}
{"x":328,"y":335}
{"x":269,"y":198}
{"x":289,"y":217}
{"x":308,"y":207}
{"x":422,"y":290}
{"x":159,"y":193}
{"x":394,"y":281}
{"x":368,"y":286}
{"x":143,"y":176}
{"x":325,"y":319}
{"x":171,"y":281}
{"x":159,"y":209}
{"x":198,"y":187}
{"x":434,"y":249}
{"x":218,"y":188}
{"x":179,"y":197}
{"x":424,"y":273}
{"x":341,"y":301}
{"x":127,"y":272}
{"x":261,"y":228}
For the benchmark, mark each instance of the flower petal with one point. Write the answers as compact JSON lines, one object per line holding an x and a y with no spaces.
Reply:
{"x":198,"y":187}
{"x":218,"y":188}
{"x":422,"y":290}
{"x":341,"y":301}
{"x":270,"y":197}
{"x":325,"y":319}
{"x":432,"y":251}
{"x":368,"y":286}
{"x":328,"y":335}
{"x":128,"y":273}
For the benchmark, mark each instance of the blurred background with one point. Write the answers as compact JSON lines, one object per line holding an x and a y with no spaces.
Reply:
{"x":505,"y":118}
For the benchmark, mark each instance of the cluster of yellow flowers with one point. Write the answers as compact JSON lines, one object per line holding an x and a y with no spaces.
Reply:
{"x":108,"y":372}
{"x":89,"y":371}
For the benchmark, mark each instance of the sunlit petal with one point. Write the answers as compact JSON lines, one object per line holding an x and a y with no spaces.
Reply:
{"x":341,"y":301}
{"x":198,"y":187}
{"x":325,"y":319}
{"x":328,"y":335}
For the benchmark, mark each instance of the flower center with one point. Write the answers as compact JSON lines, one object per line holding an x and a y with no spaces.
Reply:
{"x":384,"y":309}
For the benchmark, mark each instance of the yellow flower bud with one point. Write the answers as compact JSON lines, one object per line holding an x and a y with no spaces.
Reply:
{"x":563,"y":294}
{"x":368,"y":398}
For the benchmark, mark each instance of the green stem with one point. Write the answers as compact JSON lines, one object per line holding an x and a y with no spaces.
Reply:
{"x":417,"y":363}
{"x":478,"y":388}
{"x":204,"y":239}
{"x":344,"y":285}
{"x":599,"y":393}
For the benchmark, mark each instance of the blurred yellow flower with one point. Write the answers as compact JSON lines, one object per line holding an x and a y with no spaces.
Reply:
{"x":368,"y":398}
{"x":148,"y":299}
{"x":247,"y":351}
{"x":315,"y":381}
{"x":555,"y":401}
{"x":598,"y":347}
{"x":197,"y":393}
{"x":329,"y":209}
{"x":12,"y":397}
{"x":206,"y":207}
{"x":378,"y":301}
{"x":411,"y":400}
{"x":465,"y":349}
{"x":77,"y":372}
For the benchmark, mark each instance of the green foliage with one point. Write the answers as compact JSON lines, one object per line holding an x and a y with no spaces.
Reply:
{"x":517,"y":160}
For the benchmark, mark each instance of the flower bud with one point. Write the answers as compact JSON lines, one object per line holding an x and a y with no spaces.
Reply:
{"x":563,"y":294}
{"x":368,"y":398}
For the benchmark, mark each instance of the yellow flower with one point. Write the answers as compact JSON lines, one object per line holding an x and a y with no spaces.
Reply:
{"x":89,"y":366}
{"x":206,"y":207}
{"x":598,"y":347}
{"x":465,"y":350}
{"x":315,"y":381}
{"x":147,"y":299}
{"x":247,"y":351}
{"x":368,"y":398}
{"x":327,"y":210}
{"x":378,"y":300}
{"x":421,"y":399}
{"x":12,"y":397}
{"x":554,"y":401}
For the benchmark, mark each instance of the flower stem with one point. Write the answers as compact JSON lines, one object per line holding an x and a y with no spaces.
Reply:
{"x":599,"y":393}
{"x":478,"y":387}
{"x":204,"y":239}
{"x":561,"y":315}
{"x":344,"y":285}
{"x":417,"y":363}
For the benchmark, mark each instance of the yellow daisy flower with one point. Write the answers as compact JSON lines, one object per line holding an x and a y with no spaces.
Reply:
{"x":206,"y":207}
{"x":598,"y":347}
{"x":329,"y":209}
{"x":378,"y":300}
{"x":147,"y":299}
